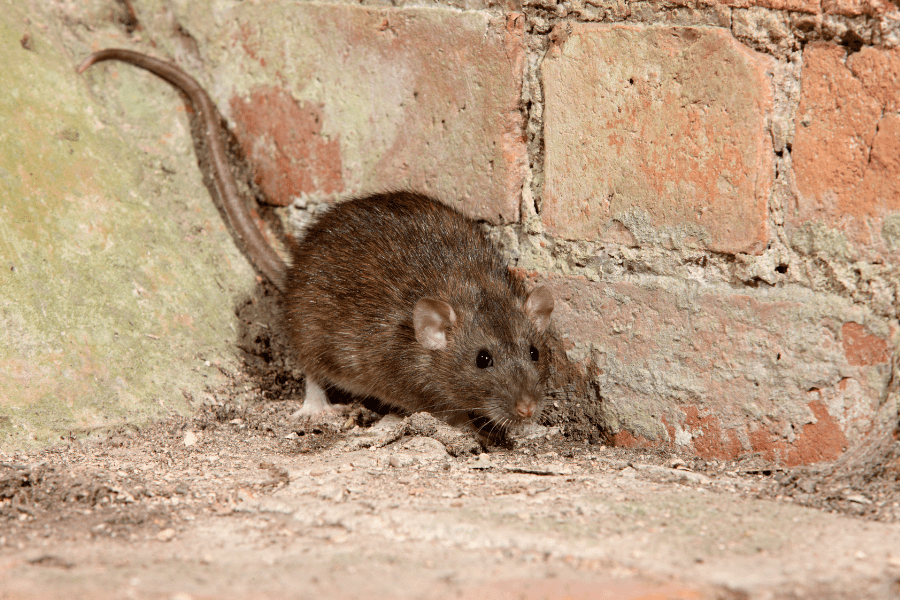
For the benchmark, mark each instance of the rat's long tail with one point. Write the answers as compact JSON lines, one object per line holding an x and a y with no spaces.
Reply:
{"x":261,"y":253}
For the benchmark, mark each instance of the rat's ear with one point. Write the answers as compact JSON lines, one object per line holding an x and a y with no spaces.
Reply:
{"x":538,"y":307}
{"x":431,"y":320}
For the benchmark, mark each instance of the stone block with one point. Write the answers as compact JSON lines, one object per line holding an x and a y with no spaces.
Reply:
{"x":331,"y":101}
{"x":847,"y":154}
{"x":657,"y":135}
{"x":795,"y":376}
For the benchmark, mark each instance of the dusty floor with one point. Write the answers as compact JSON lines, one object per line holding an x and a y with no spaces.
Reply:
{"x":239,"y":502}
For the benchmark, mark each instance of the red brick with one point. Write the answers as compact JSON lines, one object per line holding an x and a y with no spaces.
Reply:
{"x":879,"y":72}
{"x":862,"y":348}
{"x":288,"y":160}
{"x":846,"y":147}
{"x":710,"y":441}
{"x":818,"y":441}
{"x":337,"y":100}
{"x":659,"y":130}
{"x":625,"y":439}
{"x":719,"y":373}
{"x":849,"y":8}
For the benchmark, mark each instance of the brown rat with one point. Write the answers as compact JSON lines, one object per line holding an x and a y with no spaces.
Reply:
{"x":395,"y":296}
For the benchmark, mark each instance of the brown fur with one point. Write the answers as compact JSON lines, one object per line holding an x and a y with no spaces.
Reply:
{"x":348,"y":310}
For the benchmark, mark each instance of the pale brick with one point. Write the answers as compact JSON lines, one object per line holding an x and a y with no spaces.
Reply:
{"x":721,"y":373}
{"x":855,"y":8}
{"x":847,"y":152}
{"x":336,"y":100}
{"x":806,"y":6}
{"x":660,"y":130}
{"x":848,"y":8}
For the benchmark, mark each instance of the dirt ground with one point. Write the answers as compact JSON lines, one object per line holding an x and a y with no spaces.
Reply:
{"x":241,"y":502}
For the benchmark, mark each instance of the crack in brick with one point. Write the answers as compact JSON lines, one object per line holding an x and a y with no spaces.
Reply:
{"x":871,"y":144}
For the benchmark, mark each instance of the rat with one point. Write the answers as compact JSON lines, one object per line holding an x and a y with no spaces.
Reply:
{"x":395,"y":296}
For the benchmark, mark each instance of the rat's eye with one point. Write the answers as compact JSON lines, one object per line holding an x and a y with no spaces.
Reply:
{"x":535,"y":355}
{"x":484,"y":360}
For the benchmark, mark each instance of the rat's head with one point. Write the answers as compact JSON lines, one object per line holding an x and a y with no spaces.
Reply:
{"x":491,"y":363}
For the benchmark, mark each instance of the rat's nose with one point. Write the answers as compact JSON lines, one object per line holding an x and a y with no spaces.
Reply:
{"x":526,"y":405}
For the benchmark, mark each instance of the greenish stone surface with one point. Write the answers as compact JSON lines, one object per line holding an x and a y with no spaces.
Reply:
{"x":117,"y":278}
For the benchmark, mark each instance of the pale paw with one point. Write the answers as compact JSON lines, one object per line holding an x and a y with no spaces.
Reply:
{"x":313,"y":411}
{"x":316,"y":404}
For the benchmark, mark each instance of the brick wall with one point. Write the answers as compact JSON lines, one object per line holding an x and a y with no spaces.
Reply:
{"x":711,"y":189}
{"x":723,"y":215}
{"x":721,"y":193}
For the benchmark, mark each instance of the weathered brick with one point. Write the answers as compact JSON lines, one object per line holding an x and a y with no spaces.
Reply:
{"x":721,"y":373}
{"x":660,"y":131}
{"x":806,"y":6}
{"x":816,"y":441}
{"x":863,"y":348}
{"x":288,"y":159}
{"x":337,"y":100}
{"x":855,"y":8}
{"x":879,"y":73}
{"x":847,"y":152}
{"x":848,"y":8}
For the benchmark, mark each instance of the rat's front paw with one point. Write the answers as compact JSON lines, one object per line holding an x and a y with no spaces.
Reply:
{"x":316,"y":404}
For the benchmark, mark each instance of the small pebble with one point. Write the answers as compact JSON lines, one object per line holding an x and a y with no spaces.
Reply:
{"x":397,"y":461}
{"x":166,"y":535}
{"x":858,"y":498}
{"x":482,"y":462}
{"x":628,"y":472}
